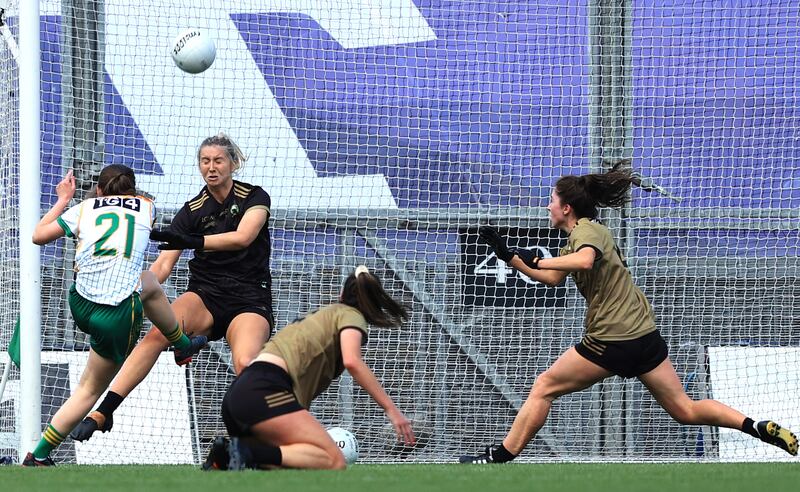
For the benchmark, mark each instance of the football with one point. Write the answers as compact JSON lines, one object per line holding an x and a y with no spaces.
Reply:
{"x":193,"y":51}
{"x":347,"y":443}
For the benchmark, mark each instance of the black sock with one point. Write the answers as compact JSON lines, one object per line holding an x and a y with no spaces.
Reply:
{"x":501,"y":455}
{"x":263,"y":454}
{"x":749,"y":427}
{"x":110,"y":403}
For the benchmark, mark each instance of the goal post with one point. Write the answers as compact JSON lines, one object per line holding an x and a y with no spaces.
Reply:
{"x":386,"y":132}
{"x":29,"y":64}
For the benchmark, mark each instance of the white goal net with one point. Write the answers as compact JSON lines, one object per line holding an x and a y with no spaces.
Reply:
{"x":386,"y":132}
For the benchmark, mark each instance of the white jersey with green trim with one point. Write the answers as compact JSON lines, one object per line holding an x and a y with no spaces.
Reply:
{"x":113,"y":233}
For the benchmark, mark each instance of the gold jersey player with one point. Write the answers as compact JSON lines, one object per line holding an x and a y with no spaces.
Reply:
{"x":229,"y":293}
{"x":621,"y":336}
{"x":266,"y":408}
{"x":110,"y":292}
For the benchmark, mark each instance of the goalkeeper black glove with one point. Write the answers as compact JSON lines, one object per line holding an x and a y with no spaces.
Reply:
{"x":527,"y":257}
{"x":490,"y":236}
{"x":176,"y":240}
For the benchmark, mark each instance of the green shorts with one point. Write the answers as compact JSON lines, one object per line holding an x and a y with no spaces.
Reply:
{"x":113,"y":330}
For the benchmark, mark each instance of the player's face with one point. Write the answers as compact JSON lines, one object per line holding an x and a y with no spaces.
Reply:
{"x":557,"y":216}
{"x":215,"y":166}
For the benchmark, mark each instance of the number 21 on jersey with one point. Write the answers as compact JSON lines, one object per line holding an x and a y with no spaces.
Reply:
{"x":111,"y":220}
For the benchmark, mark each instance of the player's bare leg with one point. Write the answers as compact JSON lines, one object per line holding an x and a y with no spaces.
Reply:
{"x":155,"y":303}
{"x":246,"y":336}
{"x":666,"y":388}
{"x":303,"y":441}
{"x":158,"y":310}
{"x":294,"y":440}
{"x":570,"y":373}
{"x":95,"y":379}
{"x":197,"y":320}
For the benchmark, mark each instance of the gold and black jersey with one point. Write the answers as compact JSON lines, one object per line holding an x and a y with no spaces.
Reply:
{"x":311,"y":348}
{"x":616,"y":308}
{"x":205,"y":215}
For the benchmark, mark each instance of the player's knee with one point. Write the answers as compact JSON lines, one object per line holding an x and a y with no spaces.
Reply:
{"x":336,"y":461}
{"x":544,"y":387}
{"x":240,"y":361}
{"x":150,"y":285}
{"x":154,"y":338}
{"x":683,"y":412}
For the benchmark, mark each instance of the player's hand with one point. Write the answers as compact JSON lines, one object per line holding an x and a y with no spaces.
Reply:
{"x":176,"y":240}
{"x":490,"y":236}
{"x":527,"y":257}
{"x":65,"y":189}
{"x":402,"y":426}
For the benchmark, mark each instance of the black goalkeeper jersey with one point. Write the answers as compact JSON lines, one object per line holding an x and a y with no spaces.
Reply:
{"x":204,"y":215}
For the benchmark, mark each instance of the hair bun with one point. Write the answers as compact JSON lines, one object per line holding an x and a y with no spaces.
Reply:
{"x":361,"y":269}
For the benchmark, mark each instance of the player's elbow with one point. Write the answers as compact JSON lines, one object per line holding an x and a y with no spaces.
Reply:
{"x":352,"y":363}
{"x":242,"y":241}
{"x":551,"y":282}
{"x":38,"y":238}
{"x":553,"y":279}
{"x":585,"y":259}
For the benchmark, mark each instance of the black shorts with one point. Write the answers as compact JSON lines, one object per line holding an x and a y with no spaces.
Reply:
{"x":224,"y":304}
{"x":628,"y":358}
{"x":262,"y":391}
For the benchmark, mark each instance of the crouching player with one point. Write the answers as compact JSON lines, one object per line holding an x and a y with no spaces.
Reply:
{"x":266,"y":408}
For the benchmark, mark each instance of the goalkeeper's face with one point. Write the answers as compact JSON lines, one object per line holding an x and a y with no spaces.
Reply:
{"x":558,"y":214}
{"x":215,"y":166}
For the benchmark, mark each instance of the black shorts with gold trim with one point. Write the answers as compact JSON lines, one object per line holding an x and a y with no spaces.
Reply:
{"x":227,"y":300}
{"x":628,"y":358}
{"x":261,"y":392}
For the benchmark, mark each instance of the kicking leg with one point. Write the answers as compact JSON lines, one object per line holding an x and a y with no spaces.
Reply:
{"x":158,"y":310}
{"x":666,"y":388}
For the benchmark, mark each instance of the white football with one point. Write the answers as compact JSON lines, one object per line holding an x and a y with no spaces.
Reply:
{"x":347,"y":443}
{"x":193,"y":51}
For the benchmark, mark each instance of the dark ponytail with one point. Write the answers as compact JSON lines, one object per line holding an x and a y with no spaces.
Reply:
{"x":585,"y":193}
{"x":117,"y":179}
{"x":363,"y":291}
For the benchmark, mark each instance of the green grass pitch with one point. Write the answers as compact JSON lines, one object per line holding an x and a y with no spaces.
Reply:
{"x":707,"y":477}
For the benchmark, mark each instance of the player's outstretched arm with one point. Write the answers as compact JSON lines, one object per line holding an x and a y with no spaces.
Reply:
{"x":527,"y":265}
{"x":171,"y":240}
{"x":351,"y":357}
{"x":547,"y":277}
